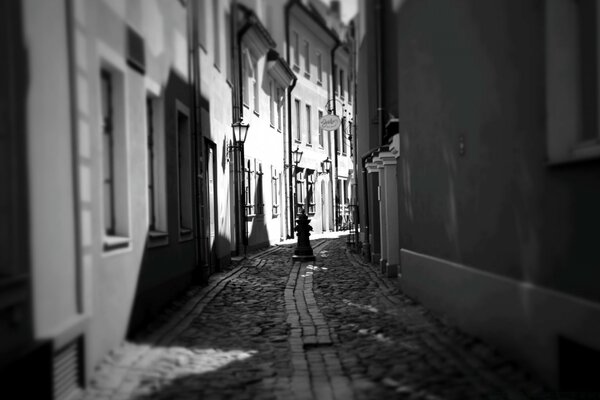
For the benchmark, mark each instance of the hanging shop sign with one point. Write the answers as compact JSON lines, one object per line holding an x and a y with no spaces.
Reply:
{"x":329,"y":122}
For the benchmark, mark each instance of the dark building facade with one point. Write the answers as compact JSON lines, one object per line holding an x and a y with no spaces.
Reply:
{"x":478,"y":131}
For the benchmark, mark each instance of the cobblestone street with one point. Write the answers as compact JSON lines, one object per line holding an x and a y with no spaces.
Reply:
{"x":330,"y":329}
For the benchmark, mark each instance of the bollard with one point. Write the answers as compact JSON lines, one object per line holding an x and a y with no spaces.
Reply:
{"x":303,"y":251}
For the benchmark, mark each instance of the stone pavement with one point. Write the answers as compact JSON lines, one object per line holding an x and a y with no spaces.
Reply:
{"x":330,"y":329}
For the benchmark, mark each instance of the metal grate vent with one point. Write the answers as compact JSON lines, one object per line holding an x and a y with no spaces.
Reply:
{"x":67,"y":371}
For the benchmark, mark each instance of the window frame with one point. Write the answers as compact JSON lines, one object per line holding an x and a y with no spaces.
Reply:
{"x":296,"y":52}
{"x":321,"y":136}
{"x":566,"y":94}
{"x":274,"y":193}
{"x":272,"y":99}
{"x":184,"y":199}
{"x":298,"y":125}
{"x":319,"y":68}
{"x":308,"y":116}
{"x":117,"y":232}
{"x":156,"y":174}
{"x":306,"y":51}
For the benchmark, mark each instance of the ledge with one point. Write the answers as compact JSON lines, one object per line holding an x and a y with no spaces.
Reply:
{"x":116,"y":242}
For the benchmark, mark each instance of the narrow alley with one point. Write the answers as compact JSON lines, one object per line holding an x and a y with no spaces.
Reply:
{"x":331,"y":329}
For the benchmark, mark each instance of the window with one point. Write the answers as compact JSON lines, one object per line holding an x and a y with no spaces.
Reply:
{"x":258,"y":196}
{"x":255,"y":86}
{"x":152,"y":203}
{"x":296,"y":43}
{"x":228,"y":51}
{"x":349,"y":88}
{"x":247,"y":73}
{"x":114,"y":160}
{"x":308,"y":127}
{"x":108,"y":163}
{"x":306,"y":58}
{"x":319,"y":68}
{"x":272,"y":100}
{"x":300,"y":196}
{"x":341,"y":83}
{"x":320,"y":130}
{"x":274,"y":192}
{"x":297,"y":125}
{"x":203,"y":24}
{"x":248,"y":188}
{"x":157,"y":221}
{"x":343,"y":135}
{"x":250,"y":83}
{"x":335,"y":84}
{"x":184,"y":170}
{"x":338,"y":136}
{"x":572,"y":77}
{"x":217,"y":33}
{"x":279,"y":108}
{"x":310,"y":192}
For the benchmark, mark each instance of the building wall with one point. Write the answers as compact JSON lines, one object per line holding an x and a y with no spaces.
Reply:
{"x":483,"y":212}
{"x":367,"y":130}
{"x":51,"y":188}
{"x":122,"y":286}
{"x":216,"y":77}
{"x":309,"y":92}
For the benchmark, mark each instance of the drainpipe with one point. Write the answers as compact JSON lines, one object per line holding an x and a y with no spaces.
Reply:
{"x":201,"y":247}
{"x":239,"y":168}
{"x":288,"y":7}
{"x":289,"y":153}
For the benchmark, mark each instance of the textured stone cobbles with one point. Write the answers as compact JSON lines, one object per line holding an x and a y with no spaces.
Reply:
{"x":332,"y":329}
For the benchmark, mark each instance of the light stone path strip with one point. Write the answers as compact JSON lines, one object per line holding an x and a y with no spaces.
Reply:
{"x":317,"y":369}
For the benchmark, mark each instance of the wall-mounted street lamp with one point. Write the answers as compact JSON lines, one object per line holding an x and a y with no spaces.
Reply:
{"x":325,"y":166}
{"x":297,"y":156}
{"x":240,"y":131}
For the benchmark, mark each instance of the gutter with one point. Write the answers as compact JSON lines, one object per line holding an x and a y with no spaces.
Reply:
{"x":201,"y":246}
{"x":335,"y":135}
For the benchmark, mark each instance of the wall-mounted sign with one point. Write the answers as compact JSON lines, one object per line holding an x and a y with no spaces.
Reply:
{"x":329,"y":122}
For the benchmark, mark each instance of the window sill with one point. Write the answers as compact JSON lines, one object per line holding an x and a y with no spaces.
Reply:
{"x":320,"y":83}
{"x":116,"y":242}
{"x":587,"y":151}
{"x":256,"y":113}
{"x":307,"y":75}
{"x":297,"y":140}
{"x":296,"y":68}
{"x":157,"y":239}
{"x":185,"y":234}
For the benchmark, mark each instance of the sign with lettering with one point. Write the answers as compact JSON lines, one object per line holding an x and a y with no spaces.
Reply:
{"x":329,"y":122}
